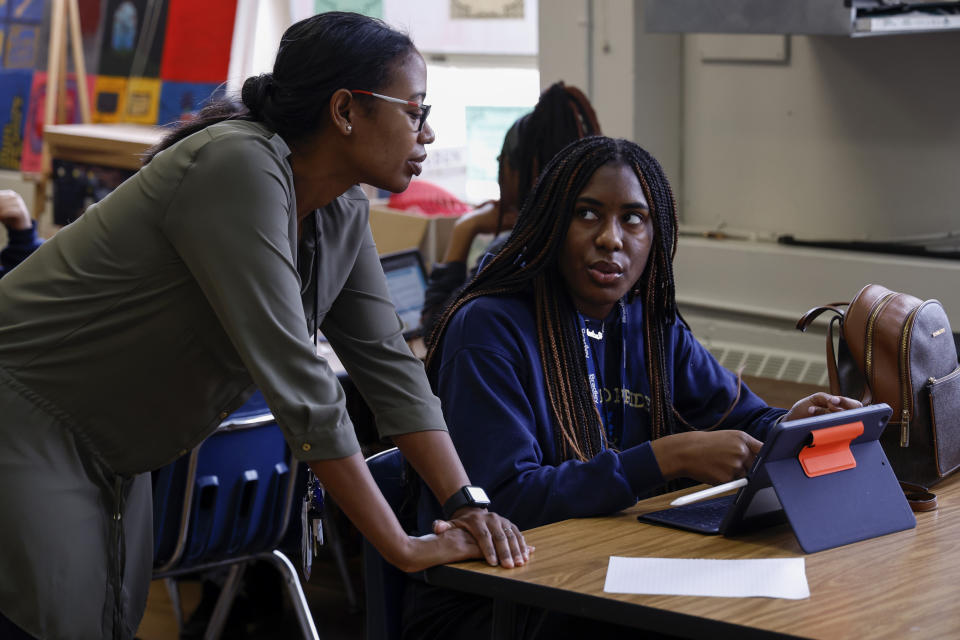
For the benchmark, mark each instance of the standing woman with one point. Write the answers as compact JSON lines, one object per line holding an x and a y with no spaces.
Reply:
{"x":128,"y":337}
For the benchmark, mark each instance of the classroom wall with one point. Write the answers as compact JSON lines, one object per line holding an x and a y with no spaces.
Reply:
{"x":593,"y":45}
{"x":850,"y":138}
{"x":847,"y":139}
{"x":433,"y":27}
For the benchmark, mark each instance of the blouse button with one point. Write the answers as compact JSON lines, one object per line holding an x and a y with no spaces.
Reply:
{"x":306,"y":446}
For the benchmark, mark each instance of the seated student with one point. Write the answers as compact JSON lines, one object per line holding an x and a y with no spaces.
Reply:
{"x":569,"y":382}
{"x":563,"y":114}
{"x":21,"y":231}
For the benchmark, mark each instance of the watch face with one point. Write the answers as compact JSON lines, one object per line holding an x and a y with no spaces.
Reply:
{"x":478,"y":495}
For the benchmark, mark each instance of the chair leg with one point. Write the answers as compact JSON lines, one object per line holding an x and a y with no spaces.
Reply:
{"x":173,"y":592}
{"x":336,"y":548}
{"x":299,"y":601}
{"x":222,"y":609}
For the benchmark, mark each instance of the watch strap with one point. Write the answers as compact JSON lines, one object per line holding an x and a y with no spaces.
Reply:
{"x":460,"y":499}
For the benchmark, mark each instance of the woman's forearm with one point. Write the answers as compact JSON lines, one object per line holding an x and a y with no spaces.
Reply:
{"x":434,"y":457}
{"x":350,"y":484}
{"x":472,"y":534}
{"x":461,"y":237}
{"x":483,"y":219}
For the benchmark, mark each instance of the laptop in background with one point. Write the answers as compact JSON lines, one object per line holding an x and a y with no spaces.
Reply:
{"x":407,"y":283}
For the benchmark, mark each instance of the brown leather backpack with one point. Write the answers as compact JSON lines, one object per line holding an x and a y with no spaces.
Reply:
{"x":898,"y":349}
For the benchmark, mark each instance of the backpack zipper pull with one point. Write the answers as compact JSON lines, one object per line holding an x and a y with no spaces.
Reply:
{"x":905,"y":428}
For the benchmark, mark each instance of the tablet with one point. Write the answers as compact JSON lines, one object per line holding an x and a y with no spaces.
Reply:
{"x":757,"y":504}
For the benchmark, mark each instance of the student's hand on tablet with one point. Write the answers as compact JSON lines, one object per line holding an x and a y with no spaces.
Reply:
{"x":820,"y":403}
{"x":706,"y":456}
{"x":499,"y":540}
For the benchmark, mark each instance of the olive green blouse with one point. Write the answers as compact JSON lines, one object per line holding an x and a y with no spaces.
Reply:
{"x":146,"y":321}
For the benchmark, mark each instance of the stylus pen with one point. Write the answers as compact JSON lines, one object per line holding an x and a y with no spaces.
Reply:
{"x":709,"y":493}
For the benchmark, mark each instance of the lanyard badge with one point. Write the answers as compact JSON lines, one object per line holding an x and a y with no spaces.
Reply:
{"x":311,"y":524}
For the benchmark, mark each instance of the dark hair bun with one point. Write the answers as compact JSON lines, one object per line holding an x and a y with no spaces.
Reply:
{"x":255,"y":92}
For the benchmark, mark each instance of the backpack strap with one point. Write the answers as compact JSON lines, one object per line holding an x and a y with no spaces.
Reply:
{"x":832,"y":358}
{"x":833,"y":368}
{"x":919,"y":497}
{"x":807,"y":319}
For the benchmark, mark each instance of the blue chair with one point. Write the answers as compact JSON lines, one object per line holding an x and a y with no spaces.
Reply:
{"x":383,"y":582}
{"x":226,"y":504}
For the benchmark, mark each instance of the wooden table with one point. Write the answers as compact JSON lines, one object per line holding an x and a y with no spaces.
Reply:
{"x":107,"y":145}
{"x":903,"y":585}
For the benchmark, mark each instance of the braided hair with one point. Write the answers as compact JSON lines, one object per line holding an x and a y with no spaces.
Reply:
{"x":562,"y":114}
{"x":529,"y":262}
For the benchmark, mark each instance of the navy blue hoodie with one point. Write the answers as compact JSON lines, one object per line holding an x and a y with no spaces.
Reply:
{"x":20,"y":245}
{"x":492,"y":388}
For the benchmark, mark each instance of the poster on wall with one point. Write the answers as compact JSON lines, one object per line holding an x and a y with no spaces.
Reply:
{"x":26,"y":10}
{"x":486,"y":9}
{"x":181,"y":100}
{"x":198,"y":38}
{"x":20,"y":33}
{"x":142,"y":100}
{"x":372,"y":8}
{"x":109,"y":98}
{"x":126,"y":44}
{"x":14,"y":96}
{"x":33,"y":130}
{"x":20,"y":46}
{"x":133,"y":37}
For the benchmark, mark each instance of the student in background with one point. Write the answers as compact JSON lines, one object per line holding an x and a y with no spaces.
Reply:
{"x":563,"y":114}
{"x":22,"y":237}
{"x":127,"y":337}
{"x":570,"y":384}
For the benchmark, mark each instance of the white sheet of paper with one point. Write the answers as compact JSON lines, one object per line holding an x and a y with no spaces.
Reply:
{"x":768,"y":577}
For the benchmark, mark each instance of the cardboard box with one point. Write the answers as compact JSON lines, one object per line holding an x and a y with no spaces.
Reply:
{"x":396,"y":230}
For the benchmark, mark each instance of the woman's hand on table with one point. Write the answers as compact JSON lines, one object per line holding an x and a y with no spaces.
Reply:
{"x":495,"y":538}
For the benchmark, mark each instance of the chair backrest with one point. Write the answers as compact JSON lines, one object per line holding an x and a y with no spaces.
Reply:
{"x":383,"y":582}
{"x":230,"y":497}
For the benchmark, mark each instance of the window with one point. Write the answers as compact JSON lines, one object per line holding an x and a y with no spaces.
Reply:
{"x":475,"y":104}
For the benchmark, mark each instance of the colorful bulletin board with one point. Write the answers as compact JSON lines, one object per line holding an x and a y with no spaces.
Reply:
{"x":148,"y":62}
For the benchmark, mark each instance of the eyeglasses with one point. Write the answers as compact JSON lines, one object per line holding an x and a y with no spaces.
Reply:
{"x":424,"y":108}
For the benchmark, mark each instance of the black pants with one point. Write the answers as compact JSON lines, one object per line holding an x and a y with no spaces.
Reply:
{"x":432,"y":612}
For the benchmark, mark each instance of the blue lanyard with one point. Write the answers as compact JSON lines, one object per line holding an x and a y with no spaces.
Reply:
{"x":606,"y":416}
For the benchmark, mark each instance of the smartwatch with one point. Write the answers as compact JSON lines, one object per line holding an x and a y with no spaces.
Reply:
{"x":467,"y":496}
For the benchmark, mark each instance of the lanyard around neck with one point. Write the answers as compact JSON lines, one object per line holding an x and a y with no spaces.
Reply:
{"x":606,"y":415}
